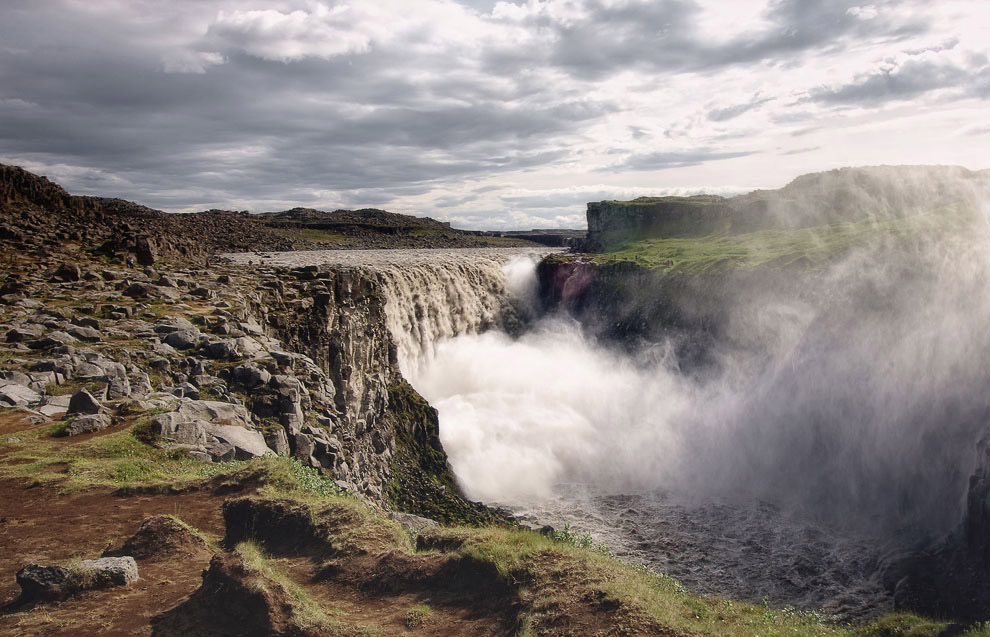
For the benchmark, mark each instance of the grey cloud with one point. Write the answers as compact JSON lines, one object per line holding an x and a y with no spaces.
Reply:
{"x":801,"y":151}
{"x":911,"y":79}
{"x":664,"y":160}
{"x":661,"y":36}
{"x":731,"y":112}
{"x":253,"y":129}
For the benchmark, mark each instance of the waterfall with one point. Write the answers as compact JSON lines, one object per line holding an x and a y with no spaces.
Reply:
{"x":452,"y":293}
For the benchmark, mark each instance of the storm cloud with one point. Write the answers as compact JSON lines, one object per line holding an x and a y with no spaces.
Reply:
{"x":450,"y":109}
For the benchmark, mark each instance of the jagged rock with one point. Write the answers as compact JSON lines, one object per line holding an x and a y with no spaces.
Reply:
{"x":25,"y":332}
{"x":16,"y":395}
{"x":83,"y":402}
{"x":250,"y":375}
{"x":88,"y":423}
{"x":55,"y":339}
{"x":173,"y":324}
{"x":146,"y":251}
{"x":186,"y":390}
{"x":85,"y":321}
{"x":278,"y":442}
{"x":222,"y":350}
{"x":15,"y":377}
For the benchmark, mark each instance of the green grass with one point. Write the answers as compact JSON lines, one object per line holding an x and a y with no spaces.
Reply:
{"x":521,"y":556}
{"x":418,"y":615}
{"x":317,"y":235}
{"x":796,"y":248}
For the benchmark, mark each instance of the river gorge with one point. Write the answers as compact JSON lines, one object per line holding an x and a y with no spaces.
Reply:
{"x":786,"y":467}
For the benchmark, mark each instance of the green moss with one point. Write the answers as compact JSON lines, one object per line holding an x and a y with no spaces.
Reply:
{"x":421,"y":481}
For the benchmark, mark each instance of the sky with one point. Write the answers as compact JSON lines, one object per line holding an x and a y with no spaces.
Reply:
{"x":496,"y":115}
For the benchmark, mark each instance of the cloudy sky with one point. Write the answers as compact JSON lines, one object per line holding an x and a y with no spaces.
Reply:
{"x":488,"y":114}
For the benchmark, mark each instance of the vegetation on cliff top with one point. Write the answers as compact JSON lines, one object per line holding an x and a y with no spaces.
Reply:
{"x":801,"y":248}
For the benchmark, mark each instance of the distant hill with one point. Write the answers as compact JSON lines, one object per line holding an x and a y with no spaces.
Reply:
{"x":38,"y":212}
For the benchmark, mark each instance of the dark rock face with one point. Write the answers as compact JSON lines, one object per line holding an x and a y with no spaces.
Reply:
{"x":39,"y":582}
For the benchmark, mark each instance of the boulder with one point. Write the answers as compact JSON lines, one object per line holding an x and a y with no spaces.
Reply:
{"x":222,"y":350}
{"x":173,"y":324}
{"x":88,"y":423}
{"x":251,"y":375}
{"x":16,"y":395}
{"x":25,"y":332}
{"x":183,"y":339}
{"x":111,"y":571}
{"x":413,"y":524}
{"x":278,"y":442}
{"x":39,"y":582}
{"x":245,"y":443}
{"x":46,"y":583}
{"x":88,"y":334}
{"x":67,"y":272}
{"x":83,"y":402}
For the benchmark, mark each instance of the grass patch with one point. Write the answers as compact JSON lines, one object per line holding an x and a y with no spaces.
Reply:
{"x":70,"y":387}
{"x":796,"y":248}
{"x":527,"y":558}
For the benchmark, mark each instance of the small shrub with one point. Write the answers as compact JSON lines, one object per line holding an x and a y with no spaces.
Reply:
{"x":417,"y":615}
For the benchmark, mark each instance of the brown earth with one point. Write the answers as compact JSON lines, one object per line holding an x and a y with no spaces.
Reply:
{"x":350,"y":567}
